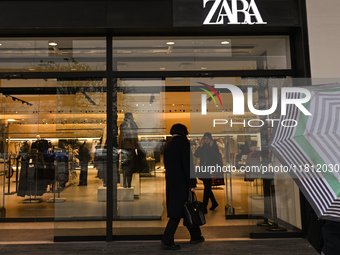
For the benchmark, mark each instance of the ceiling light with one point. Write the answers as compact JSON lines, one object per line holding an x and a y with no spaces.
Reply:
{"x":73,"y":69}
{"x":31,"y":69}
{"x":203,"y":68}
{"x":0,"y":44}
{"x":170,"y":43}
{"x":52,"y":44}
{"x":162,"y":68}
{"x":225,"y":42}
{"x":11,"y":120}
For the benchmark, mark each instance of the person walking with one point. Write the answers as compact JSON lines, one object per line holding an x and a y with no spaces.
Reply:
{"x":177,"y":158}
{"x":209,"y":155}
{"x":331,"y":237}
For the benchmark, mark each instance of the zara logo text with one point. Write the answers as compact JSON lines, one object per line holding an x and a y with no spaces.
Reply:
{"x":221,"y":9}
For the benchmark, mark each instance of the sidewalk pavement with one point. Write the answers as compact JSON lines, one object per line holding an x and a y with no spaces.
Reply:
{"x":229,"y":247}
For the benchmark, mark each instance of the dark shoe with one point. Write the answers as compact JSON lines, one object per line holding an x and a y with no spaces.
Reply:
{"x":200,"y":240}
{"x":213,"y":207}
{"x":172,"y":247}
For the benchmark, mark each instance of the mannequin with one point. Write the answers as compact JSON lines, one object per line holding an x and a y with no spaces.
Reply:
{"x":128,"y":143}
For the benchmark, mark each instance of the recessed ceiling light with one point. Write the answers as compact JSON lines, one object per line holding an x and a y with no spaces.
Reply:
{"x":74,"y":69}
{"x":225,"y":42}
{"x":31,"y":69}
{"x":170,"y":43}
{"x":11,"y":120}
{"x":0,"y":44}
{"x":52,"y":44}
{"x":162,"y":68}
{"x":203,"y":68}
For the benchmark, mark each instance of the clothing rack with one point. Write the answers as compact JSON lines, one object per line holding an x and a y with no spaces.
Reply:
{"x":34,"y":199}
{"x":9,"y":174}
{"x":55,"y":186}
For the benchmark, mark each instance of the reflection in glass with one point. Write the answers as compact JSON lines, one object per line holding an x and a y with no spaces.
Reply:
{"x":81,"y":132}
{"x":244,"y":143}
{"x":201,"y":53}
{"x":141,"y":138}
{"x":52,"y":54}
{"x":132,"y":157}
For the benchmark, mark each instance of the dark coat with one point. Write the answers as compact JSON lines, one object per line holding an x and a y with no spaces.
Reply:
{"x":209,"y":156}
{"x":177,"y":158}
{"x":84,"y":154}
{"x":331,"y":237}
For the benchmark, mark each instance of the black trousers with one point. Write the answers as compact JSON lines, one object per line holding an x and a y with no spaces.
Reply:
{"x":208,"y":194}
{"x":127,"y":175}
{"x":169,"y":233}
{"x":83,"y":173}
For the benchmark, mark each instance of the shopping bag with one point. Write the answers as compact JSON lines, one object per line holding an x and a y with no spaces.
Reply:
{"x":193,"y":211}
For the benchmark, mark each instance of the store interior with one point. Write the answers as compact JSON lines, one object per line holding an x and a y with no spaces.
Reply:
{"x":45,"y":133}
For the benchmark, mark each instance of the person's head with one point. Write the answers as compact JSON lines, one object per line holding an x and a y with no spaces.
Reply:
{"x":207,"y":138}
{"x":179,"y":129}
{"x":128,"y":115}
{"x":82,"y":145}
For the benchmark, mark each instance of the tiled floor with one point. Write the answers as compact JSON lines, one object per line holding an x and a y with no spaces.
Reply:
{"x":82,"y":202}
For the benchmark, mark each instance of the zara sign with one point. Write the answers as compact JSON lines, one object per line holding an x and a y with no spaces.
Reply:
{"x":235,"y":11}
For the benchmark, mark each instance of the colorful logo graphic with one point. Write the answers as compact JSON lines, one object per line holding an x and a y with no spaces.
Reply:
{"x":204,"y":97}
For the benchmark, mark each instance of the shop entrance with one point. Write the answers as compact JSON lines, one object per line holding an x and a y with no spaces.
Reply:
{"x":64,"y":119}
{"x":155,"y":105}
{"x":69,"y":118}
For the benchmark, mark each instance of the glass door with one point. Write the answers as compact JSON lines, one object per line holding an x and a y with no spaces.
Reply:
{"x":80,"y":196}
{"x":140,"y":173}
{"x":225,"y":108}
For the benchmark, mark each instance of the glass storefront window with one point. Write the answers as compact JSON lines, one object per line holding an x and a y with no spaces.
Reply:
{"x":80,"y":208}
{"x":141,"y":140}
{"x":50,"y":144}
{"x":27,"y":121}
{"x":242,"y":136}
{"x":52,"y":54}
{"x":201,"y":53}
{"x":68,"y":117}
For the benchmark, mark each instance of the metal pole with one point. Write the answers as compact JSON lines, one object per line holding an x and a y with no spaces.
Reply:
{"x":231,"y":209}
{"x":9,"y":176}
{"x":226,"y":174}
{"x":109,"y":144}
{"x":17,"y":175}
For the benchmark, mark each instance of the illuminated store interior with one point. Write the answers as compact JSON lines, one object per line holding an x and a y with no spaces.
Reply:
{"x":45,"y":120}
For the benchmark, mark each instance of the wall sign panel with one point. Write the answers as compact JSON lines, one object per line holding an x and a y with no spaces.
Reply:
{"x":196,"y":13}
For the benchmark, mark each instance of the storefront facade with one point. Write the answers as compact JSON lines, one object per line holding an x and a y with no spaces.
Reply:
{"x":73,"y":79}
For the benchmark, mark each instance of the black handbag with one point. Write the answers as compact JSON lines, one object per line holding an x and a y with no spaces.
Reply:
{"x":193,"y":211}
